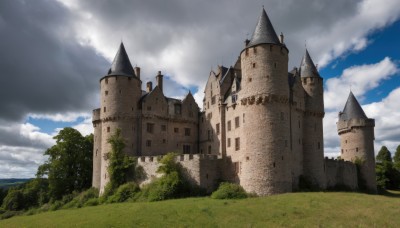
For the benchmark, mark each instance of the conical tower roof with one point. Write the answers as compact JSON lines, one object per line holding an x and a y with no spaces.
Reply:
{"x":352,"y":109}
{"x":307,"y":67}
{"x":264,"y":32}
{"x":121,"y":64}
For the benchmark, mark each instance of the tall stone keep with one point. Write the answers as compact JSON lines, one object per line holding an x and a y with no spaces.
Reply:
{"x":264,"y":96}
{"x":120,"y":93}
{"x":356,"y":132}
{"x":313,"y":141}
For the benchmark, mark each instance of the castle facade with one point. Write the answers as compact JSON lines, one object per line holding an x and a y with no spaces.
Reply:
{"x":261,"y":126}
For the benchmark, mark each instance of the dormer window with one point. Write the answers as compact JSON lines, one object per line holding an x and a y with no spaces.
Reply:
{"x":178,"y":109}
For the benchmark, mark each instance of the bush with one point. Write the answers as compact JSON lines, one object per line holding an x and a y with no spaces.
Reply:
{"x":229,"y":191}
{"x":80,"y":200}
{"x":9,"y":214}
{"x":125,"y":192}
{"x":92,"y":202}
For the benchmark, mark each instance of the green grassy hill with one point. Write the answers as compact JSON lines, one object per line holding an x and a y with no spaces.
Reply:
{"x":286,"y":210}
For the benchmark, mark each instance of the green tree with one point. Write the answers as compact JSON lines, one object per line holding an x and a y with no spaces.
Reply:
{"x":396,"y":158}
{"x":384,"y":155}
{"x":121,"y":167}
{"x":69,"y":164}
{"x":387,"y":176}
{"x":14,"y":200}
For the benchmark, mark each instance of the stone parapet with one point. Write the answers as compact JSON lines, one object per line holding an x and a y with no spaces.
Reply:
{"x":344,"y":126}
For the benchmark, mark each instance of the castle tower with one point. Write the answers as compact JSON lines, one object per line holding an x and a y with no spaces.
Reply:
{"x":356,"y":132}
{"x":313,"y":141}
{"x":264,"y":97}
{"x":120,"y":93}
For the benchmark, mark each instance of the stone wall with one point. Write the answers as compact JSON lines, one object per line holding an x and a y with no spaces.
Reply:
{"x":200,"y":170}
{"x":340,"y":173}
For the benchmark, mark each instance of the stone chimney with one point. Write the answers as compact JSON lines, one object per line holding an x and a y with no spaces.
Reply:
{"x":246,"y":42}
{"x":137,"y":71}
{"x":149,"y":86}
{"x":159,"y":79}
{"x":281,"y":38}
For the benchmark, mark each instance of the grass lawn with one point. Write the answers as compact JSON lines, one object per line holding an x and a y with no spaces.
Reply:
{"x":287,"y":210}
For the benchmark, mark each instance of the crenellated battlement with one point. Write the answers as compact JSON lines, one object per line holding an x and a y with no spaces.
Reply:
{"x":96,"y":115}
{"x":347,"y":125}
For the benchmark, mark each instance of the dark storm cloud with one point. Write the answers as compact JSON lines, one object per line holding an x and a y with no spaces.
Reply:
{"x":43,"y":69}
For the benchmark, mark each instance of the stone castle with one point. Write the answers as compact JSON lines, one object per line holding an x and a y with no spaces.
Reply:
{"x":260,"y":126}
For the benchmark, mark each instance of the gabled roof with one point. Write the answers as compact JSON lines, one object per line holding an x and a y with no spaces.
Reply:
{"x":307,"y":67}
{"x":264,"y":33}
{"x":121,"y":65}
{"x":352,"y":109}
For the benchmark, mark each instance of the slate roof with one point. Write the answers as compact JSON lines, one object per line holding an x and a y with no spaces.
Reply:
{"x":352,"y":109}
{"x":121,"y":65}
{"x":264,"y":32}
{"x":307,"y":67}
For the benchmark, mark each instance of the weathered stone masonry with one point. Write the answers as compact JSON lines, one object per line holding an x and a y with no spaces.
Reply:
{"x":261,"y":126}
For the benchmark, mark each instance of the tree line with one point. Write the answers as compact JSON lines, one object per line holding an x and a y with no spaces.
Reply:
{"x":388,"y":169}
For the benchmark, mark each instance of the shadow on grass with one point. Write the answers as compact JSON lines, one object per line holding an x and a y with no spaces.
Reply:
{"x":390,"y":193}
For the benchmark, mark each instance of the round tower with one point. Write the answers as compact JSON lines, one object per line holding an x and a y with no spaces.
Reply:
{"x":356,"y":132}
{"x":264,"y":97}
{"x":313,"y":141}
{"x":120,"y":92}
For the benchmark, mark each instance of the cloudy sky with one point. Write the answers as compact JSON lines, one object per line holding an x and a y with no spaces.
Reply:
{"x":53,"y":53}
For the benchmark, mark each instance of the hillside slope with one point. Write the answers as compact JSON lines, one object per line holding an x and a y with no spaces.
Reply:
{"x":287,"y":210}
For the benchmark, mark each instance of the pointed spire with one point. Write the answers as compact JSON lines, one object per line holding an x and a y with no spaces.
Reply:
{"x":121,"y":64}
{"x":352,"y":109}
{"x":307,"y":67}
{"x":264,"y":32}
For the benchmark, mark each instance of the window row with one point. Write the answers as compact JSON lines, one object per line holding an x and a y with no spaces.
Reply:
{"x":150,"y":129}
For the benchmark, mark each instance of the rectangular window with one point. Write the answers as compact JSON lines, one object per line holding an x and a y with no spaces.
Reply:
{"x":237,"y":123}
{"x":106,"y":80}
{"x":237,"y":144}
{"x":243,"y":117}
{"x":209,"y":134}
{"x":187,"y":131}
{"x":148,"y":108}
{"x":104,"y":109}
{"x":163,"y":127}
{"x":213,"y":100}
{"x":237,"y":168}
{"x":319,"y":145}
{"x":186,"y":149}
{"x":176,"y":130}
{"x":217,"y":127}
{"x":178,"y":108}
{"x":229,"y":125}
{"x":106,"y":92}
{"x":150,"y":128}
{"x":108,"y":129}
{"x":148,"y":143}
{"x":209,"y":115}
{"x":209,"y":149}
{"x":229,"y":142}
{"x":357,"y":149}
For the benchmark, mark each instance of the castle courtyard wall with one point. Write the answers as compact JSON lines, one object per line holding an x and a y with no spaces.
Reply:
{"x":340,"y":173}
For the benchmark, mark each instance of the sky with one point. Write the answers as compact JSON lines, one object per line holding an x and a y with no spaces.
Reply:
{"x":53,"y":53}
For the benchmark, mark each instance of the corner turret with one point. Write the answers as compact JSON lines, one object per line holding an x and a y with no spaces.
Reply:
{"x":313,"y":144}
